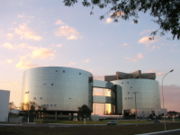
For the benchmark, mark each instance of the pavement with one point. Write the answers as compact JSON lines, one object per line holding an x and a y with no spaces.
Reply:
{"x":167,"y":132}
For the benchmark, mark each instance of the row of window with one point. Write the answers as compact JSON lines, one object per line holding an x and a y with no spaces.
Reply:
{"x":49,"y":105}
{"x":63,"y":71}
{"x":128,"y":98}
{"x":37,"y":98}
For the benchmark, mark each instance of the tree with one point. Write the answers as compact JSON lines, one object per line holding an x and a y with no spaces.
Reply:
{"x":166,"y":13}
{"x":84,"y":112}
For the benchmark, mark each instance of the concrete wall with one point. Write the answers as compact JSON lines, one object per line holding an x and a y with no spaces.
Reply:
{"x":4,"y":105}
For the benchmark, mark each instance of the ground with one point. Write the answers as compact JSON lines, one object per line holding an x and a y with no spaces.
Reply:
{"x":87,"y":130}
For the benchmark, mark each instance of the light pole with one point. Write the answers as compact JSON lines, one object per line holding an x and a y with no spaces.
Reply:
{"x":135,"y":103}
{"x":165,"y":127}
{"x":28,"y":105}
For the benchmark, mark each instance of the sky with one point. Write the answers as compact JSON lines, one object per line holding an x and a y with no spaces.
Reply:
{"x":36,"y":33}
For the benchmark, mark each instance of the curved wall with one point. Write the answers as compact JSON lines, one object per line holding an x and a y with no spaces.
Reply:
{"x":4,"y":105}
{"x":58,"y":88}
{"x":147,"y":94}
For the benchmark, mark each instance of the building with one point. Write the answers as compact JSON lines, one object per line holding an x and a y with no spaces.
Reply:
{"x":62,"y":90}
{"x":140,"y":92}
{"x":57,"y":90}
{"x":4,"y":105}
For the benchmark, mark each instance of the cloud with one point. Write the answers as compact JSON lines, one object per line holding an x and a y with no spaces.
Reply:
{"x":108,"y":20}
{"x":98,"y":77}
{"x":117,"y":14}
{"x":10,"y":36}
{"x":71,"y":64}
{"x":25,"y":63}
{"x":33,"y":51}
{"x":8,"y":45}
{"x":25,"y":46}
{"x":155,"y":71}
{"x":22,"y":16}
{"x":87,"y":60}
{"x":57,"y":45}
{"x":42,"y":53}
{"x":59,"y":22}
{"x":26,"y":33}
{"x":68,"y":32}
{"x":125,"y":44}
{"x":136,"y":58}
{"x":9,"y":61}
{"x":146,"y":40}
{"x":146,"y":32}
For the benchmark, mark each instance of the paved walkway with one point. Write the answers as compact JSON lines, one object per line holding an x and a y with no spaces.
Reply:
{"x":168,"y":132}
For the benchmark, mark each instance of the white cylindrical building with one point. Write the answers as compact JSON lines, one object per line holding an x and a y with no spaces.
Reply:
{"x":141,"y":95}
{"x":4,"y":105}
{"x":57,"y":88}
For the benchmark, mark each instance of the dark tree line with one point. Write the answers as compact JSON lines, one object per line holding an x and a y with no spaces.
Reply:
{"x":166,"y":13}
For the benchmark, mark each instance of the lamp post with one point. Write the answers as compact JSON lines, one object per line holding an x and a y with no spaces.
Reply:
{"x":135,"y":103}
{"x":27,"y":93}
{"x":165,"y":127}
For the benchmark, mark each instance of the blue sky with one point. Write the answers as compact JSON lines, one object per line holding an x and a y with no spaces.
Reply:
{"x":46,"y":33}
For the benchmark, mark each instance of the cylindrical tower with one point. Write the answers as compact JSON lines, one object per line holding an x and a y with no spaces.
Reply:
{"x":4,"y":105}
{"x":57,"y":88}
{"x":141,"y":95}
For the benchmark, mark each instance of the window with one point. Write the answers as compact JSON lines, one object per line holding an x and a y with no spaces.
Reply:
{"x":80,"y":73}
{"x":56,"y":70}
{"x":63,"y":71}
{"x":52,"y":84}
{"x":90,"y":79}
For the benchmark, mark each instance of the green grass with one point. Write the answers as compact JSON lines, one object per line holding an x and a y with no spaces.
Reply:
{"x":98,"y":122}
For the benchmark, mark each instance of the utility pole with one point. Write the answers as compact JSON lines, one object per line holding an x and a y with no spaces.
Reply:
{"x":165,"y":127}
{"x":135,"y":103}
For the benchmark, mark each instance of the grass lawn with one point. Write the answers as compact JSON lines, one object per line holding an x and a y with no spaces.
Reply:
{"x":100,"y":122}
{"x":86,"y":130}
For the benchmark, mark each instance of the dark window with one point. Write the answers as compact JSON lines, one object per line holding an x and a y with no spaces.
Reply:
{"x":41,"y":98}
{"x":52,"y":84}
{"x":34,"y":98}
{"x":63,"y":71}
{"x":90,"y":79}
{"x":56,"y":70}
{"x":80,"y":73}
